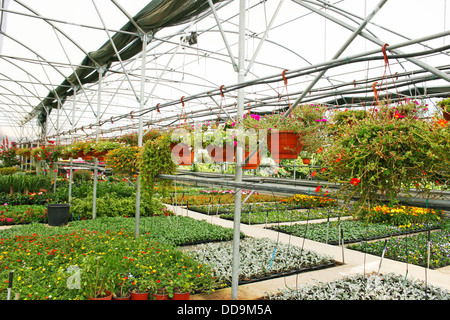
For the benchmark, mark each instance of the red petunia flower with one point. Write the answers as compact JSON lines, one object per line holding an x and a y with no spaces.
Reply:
{"x":355,"y":181}
{"x":318,"y":189}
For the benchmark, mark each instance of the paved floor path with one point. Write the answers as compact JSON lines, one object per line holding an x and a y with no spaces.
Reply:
{"x":355,"y":262}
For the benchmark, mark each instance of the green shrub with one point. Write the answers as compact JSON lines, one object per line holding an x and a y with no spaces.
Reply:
{"x":81,"y":175}
{"x":113,"y":206}
{"x":24,"y":183}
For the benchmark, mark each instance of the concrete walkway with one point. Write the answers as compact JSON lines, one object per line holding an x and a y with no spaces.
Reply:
{"x":355,"y":262}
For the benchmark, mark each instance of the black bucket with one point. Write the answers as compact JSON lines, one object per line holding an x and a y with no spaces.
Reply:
{"x":58,"y":214}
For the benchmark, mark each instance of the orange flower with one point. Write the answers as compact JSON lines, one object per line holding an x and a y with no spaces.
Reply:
{"x":355,"y":181}
{"x":313,"y":174}
{"x":442,"y":122}
{"x":320,"y":150}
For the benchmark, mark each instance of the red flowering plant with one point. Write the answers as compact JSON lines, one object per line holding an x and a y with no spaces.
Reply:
{"x":48,"y":153}
{"x":8,"y":152}
{"x":377,"y":158}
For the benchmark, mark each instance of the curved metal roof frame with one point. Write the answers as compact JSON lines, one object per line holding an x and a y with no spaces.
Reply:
{"x":116,"y":97}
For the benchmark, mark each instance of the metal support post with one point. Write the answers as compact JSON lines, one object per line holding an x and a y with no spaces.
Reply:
{"x":97,"y":134}
{"x":140,"y":133}
{"x":239,"y":154}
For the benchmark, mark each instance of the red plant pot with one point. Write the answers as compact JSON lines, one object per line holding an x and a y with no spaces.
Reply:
{"x":181,"y":295}
{"x":108,"y":296}
{"x":183,"y":155}
{"x":160,"y":296}
{"x":219,"y":154}
{"x":127,"y":297}
{"x":253,"y":162}
{"x":138,"y":295}
{"x":284,"y":145}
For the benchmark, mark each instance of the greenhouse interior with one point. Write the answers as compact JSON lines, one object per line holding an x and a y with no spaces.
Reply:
{"x":253,"y":150}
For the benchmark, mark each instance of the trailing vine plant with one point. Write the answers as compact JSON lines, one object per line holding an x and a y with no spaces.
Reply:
{"x":156,"y":159}
{"x":385,"y":154}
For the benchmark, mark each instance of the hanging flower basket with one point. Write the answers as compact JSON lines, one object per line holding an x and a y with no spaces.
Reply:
{"x":253,"y":162}
{"x":182,"y":153}
{"x":284,"y":145}
{"x":306,"y":160}
{"x":219,"y":154}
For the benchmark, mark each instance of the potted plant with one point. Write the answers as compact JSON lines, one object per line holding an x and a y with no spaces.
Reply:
{"x":101,"y":148}
{"x":289,"y":134}
{"x":156,"y":159}
{"x":162,"y":293}
{"x":402,"y":109}
{"x":182,"y":144}
{"x":445,"y":106}
{"x":99,"y":278}
{"x":123,"y":292}
{"x":139,"y":292}
{"x":306,"y":157}
{"x":377,"y":158}
{"x":124,"y":159}
{"x":181,"y":286}
{"x":347,"y":116}
{"x":218,"y":142}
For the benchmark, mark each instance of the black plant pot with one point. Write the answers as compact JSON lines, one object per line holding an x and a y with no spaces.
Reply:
{"x":58,"y":214}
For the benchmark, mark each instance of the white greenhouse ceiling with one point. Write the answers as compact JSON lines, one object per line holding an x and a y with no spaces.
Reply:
{"x":295,"y":52}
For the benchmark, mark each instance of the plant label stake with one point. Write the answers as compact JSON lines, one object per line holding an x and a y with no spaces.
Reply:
{"x":273,"y":255}
{"x":217,"y":207}
{"x":429,"y":249}
{"x":382,"y":256}
{"x":10,"y":283}
{"x":328,"y":224}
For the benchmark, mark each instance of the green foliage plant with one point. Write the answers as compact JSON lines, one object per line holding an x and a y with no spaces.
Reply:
{"x":381,"y":156}
{"x":156,"y":159}
{"x":445,"y":105}
{"x":124,"y":159}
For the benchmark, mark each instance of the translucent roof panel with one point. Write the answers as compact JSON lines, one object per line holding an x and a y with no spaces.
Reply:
{"x":295,"y":52}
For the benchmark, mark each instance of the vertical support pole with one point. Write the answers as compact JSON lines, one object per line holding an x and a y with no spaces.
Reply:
{"x":57,"y":141}
{"x":97,"y":134}
{"x":239,"y":155}
{"x":72,"y":139}
{"x":70,"y":180}
{"x":140,"y":133}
